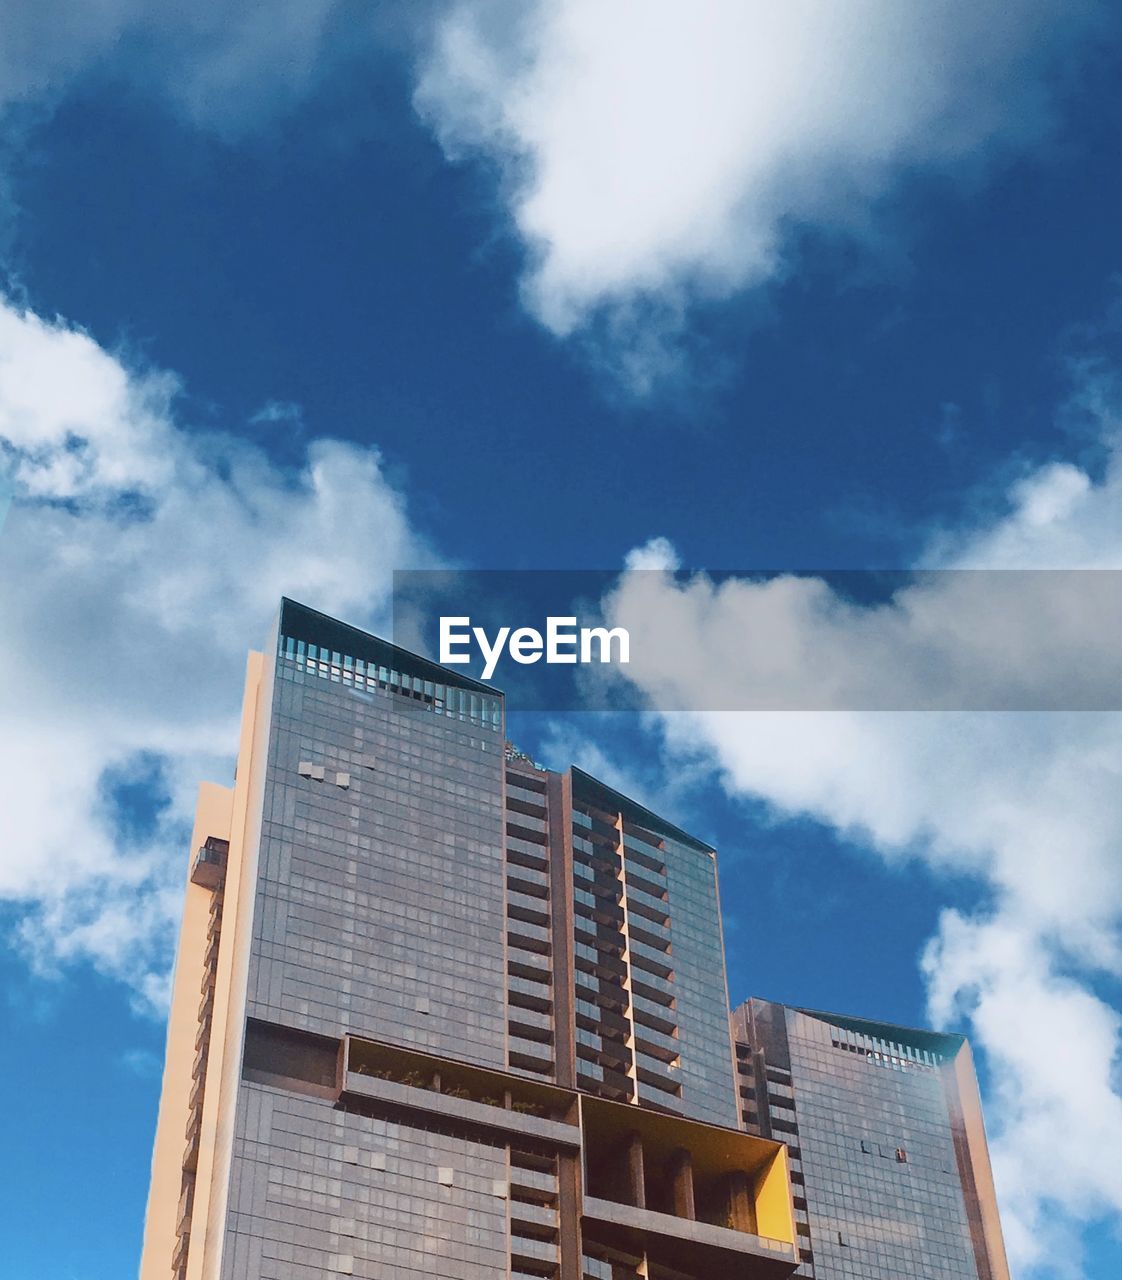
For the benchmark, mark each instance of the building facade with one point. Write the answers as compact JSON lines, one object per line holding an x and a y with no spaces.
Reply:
{"x":438,"y":1012}
{"x":883,"y":1124}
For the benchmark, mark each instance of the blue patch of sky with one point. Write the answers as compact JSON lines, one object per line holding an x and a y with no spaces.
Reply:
{"x":78,"y":1124}
{"x":135,"y":795}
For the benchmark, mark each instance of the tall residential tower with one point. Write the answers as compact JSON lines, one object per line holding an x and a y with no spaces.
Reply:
{"x":440,"y":1013}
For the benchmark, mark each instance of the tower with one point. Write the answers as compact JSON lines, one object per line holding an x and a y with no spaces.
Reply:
{"x":440,"y":1013}
{"x":889,"y":1163}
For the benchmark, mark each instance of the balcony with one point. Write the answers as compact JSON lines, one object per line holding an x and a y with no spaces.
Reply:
{"x":530,"y":1025}
{"x":186,"y":1206}
{"x":526,"y":909}
{"x":529,"y":881}
{"x":456,"y":1092}
{"x":525,"y":936}
{"x":209,"y":869}
{"x":690,"y":1196}
{"x":179,"y":1257}
{"x":531,"y":1218}
{"x":655,"y":1017}
{"x":650,"y":960}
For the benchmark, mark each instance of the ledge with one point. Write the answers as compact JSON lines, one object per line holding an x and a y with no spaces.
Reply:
{"x":719,"y":1245}
{"x":357,"y":1085}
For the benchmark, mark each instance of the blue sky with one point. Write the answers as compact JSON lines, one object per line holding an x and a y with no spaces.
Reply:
{"x":331,"y":295}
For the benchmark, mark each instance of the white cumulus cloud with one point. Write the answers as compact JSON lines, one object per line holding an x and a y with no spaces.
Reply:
{"x":652,"y":152}
{"x":140,"y":560}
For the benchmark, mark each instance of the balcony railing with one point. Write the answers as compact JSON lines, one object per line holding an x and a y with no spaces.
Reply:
{"x":209,"y":868}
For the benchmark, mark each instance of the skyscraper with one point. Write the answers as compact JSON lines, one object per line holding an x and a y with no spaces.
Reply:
{"x":883,"y":1124}
{"x":438,"y":1012}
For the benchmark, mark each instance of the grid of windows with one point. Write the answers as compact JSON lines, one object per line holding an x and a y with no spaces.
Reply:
{"x":708,"y":1086}
{"x":318,"y":1192}
{"x":881,"y":1179}
{"x":378,"y":877}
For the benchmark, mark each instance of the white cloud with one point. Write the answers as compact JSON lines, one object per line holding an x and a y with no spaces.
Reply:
{"x":1026,"y":806}
{"x":943,"y":640}
{"x":1052,"y":1047}
{"x":139,"y":562}
{"x":1059,"y":519}
{"x":657,"y":553}
{"x":224,"y":66}
{"x":278,"y":411}
{"x":653,"y":152}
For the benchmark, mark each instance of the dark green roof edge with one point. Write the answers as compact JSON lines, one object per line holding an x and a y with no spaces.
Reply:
{"x":301,"y":622}
{"x":641,"y":814}
{"x":914,"y":1037}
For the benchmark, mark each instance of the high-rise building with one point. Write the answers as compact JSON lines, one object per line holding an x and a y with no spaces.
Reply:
{"x":440,"y":1013}
{"x":883,"y":1124}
